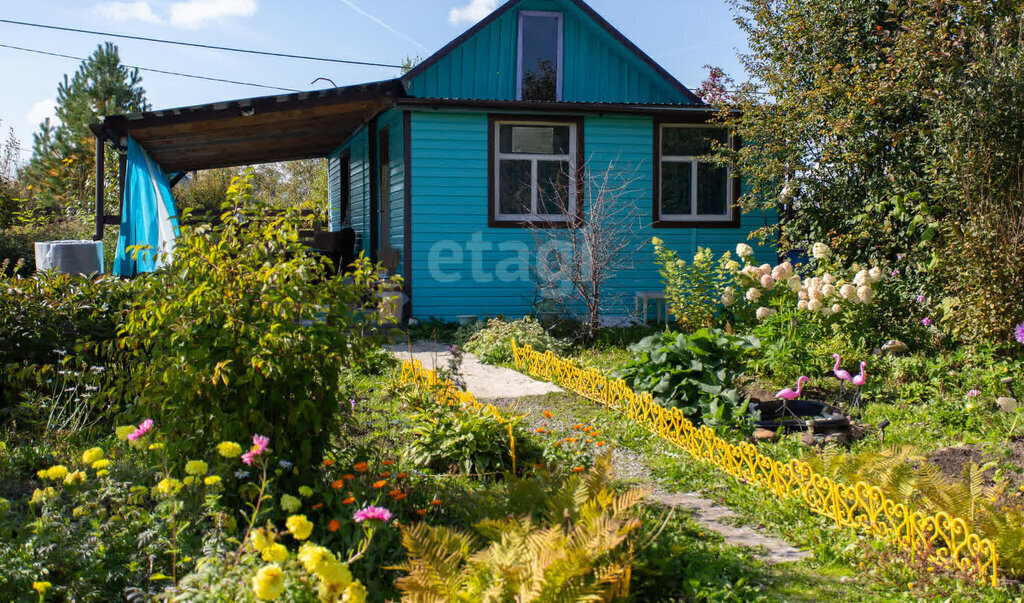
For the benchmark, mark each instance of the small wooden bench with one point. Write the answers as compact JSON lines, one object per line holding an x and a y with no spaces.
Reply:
{"x":643,"y":298}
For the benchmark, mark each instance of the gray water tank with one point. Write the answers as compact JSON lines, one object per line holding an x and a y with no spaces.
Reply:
{"x":70,"y":257}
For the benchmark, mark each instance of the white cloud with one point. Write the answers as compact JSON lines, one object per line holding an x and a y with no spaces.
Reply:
{"x":193,"y":14}
{"x":41,"y":110}
{"x":472,"y":12}
{"x":187,"y":14}
{"x":128,"y":11}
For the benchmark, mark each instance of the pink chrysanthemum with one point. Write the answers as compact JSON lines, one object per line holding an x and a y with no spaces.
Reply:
{"x":259,"y":446}
{"x":141,"y":430}
{"x":973,"y":393}
{"x":378,"y":513}
{"x":1018,"y":333}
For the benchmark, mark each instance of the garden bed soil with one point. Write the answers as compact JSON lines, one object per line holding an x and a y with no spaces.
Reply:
{"x":951,"y":461}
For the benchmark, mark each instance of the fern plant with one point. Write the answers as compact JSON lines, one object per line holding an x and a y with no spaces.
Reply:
{"x":576,"y":550}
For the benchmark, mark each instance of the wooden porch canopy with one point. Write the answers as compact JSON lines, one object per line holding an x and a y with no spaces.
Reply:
{"x":249,"y":131}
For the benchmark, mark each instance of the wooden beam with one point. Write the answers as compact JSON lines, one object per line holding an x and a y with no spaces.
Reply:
{"x":100,"y":175}
{"x":177,"y":178}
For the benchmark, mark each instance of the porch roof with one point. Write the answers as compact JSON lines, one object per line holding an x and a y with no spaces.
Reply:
{"x":253,"y":130}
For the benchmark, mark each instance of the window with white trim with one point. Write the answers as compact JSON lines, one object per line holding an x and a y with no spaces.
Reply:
{"x":692,"y":188}
{"x":540,"y":56}
{"x":533,"y":168}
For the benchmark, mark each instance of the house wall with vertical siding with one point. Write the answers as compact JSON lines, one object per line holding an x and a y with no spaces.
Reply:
{"x":595,"y":66}
{"x":461,"y":266}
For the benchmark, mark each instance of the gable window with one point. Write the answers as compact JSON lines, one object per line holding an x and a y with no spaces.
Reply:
{"x":534,"y":175}
{"x":540,"y":56}
{"x":692,"y":191}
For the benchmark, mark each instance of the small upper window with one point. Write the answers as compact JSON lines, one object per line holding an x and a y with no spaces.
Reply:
{"x":540,"y":56}
{"x":693,"y":189}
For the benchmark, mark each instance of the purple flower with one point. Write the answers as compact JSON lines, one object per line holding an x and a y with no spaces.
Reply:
{"x":920,"y":299}
{"x":141,"y":430}
{"x":896,"y":272}
{"x":352,"y":403}
{"x":1018,"y":333}
{"x":378,"y":513}
{"x":927,"y":322}
{"x":973,"y":393}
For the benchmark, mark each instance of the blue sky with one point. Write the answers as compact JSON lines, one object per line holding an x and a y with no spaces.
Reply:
{"x":682,"y":35}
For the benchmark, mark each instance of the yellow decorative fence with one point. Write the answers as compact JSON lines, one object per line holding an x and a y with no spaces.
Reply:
{"x":945,"y":539}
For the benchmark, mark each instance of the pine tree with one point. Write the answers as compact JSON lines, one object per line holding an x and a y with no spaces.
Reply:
{"x":63,"y":159}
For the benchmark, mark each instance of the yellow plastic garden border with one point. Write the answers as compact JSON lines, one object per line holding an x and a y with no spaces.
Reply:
{"x":946,"y":539}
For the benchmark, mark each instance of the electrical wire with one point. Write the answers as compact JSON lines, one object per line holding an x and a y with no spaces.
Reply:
{"x":206,"y":46}
{"x":151,"y":70}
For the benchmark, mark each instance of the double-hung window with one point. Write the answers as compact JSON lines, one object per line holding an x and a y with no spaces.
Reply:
{"x":693,"y":191}
{"x":534,"y":174}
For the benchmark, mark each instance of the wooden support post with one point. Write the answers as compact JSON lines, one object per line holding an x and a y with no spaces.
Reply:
{"x":100,"y":176}
{"x":374,"y":191}
{"x":122,"y":176}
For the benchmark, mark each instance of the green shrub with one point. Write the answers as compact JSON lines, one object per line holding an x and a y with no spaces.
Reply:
{"x":244,"y":333}
{"x":448,"y":439}
{"x":693,"y":291}
{"x":696,"y":373}
{"x":493,"y":344}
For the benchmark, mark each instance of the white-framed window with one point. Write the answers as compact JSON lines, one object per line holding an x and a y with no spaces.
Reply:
{"x":692,"y":189}
{"x":539,"y":75}
{"x":533,"y":170}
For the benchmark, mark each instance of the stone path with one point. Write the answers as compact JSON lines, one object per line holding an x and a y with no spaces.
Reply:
{"x":515,"y":391}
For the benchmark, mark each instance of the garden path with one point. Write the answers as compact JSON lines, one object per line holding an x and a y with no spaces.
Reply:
{"x":482,"y":380}
{"x":633,"y":466}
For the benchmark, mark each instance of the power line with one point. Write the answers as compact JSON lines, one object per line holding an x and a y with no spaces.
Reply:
{"x":206,"y":46}
{"x":179,"y":74}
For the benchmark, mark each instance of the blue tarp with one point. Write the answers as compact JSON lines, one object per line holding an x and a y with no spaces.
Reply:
{"x":148,"y":217}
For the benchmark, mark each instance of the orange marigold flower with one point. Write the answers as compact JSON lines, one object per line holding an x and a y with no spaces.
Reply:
{"x":601,"y":443}
{"x":380,"y":484}
{"x":328,"y":462}
{"x":402,"y":475}
{"x":578,"y":426}
{"x":348,"y":476}
{"x":386,"y":474}
{"x":548,"y":414}
{"x":394,"y":493}
{"x":317,"y":506}
{"x":436,"y":502}
{"x":577,"y":469}
{"x":421,"y":512}
{"x":400,"y":496}
{"x":557,"y":444}
{"x":589,"y":440}
{"x":361,"y":467}
{"x":388,"y":463}
{"x":594,"y":433}
{"x":349,"y":500}
{"x":333,"y":525}
{"x":540,"y":430}
{"x":337,"y":484}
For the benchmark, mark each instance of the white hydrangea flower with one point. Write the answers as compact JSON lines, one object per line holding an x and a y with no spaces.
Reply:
{"x":795,"y":284}
{"x":815,"y":294}
{"x":814,"y":305}
{"x":836,"y":308}
{"x":862,"y":278}
{"x":767,"y":282}
{"x":821,"y":251}
{"x":763,"y":313}
{"x":828,"y":279}
{"x":875,"y":274}
{"x":802,"y":294}
{"x":815,"y":283}
{"x":829,"y":290}
{"x":826,"y":310}
{"x":865,"y":293}
{"x":744,"y":251}
{"x":802,"y":304}
{"x":848,"y":292}
{"x":753,"y":294}
{"x":764,"y":269}
{"x":732,"y":266}
{"x":728,"y":299}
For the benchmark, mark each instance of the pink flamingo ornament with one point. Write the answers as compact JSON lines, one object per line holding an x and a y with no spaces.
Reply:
{"x":859,"y":381}
{"x":788,"y":394}
{"x":841,"y":374}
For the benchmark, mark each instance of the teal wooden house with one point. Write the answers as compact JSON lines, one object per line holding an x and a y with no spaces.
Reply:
{"x":466,"y":172}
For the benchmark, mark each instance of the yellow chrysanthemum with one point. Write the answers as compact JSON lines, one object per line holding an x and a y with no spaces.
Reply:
{"x":42,"y":473}
{"x":196,"y":468}
{"x":299,"y":526}
{"x":102,"y":473}
{"x":355,"y":593}
{"x":229,"y":450}
{"x":155,"y":445}
{"x":305,"y":491}
{"x":211,"y":480}
{"x":124,"y":431}
{"x":75,"y":478}
{"x":57,"y":473}
{"x":268,"y":583}
{"x":275,"y":552}
{"x":334,"y":573}
{"x":39,"y":496}
{"x":289,"y":503}
{"x":92,"y":455}
{"x":79,"y":511}
{"x":41,"y":587}
{"x":169,"y":486}
{"x":314,"y":557}
{"x":190,"y":480}
{"x":260,"y":540}
{"x":101,"y":464}
{"x":5,"y":505}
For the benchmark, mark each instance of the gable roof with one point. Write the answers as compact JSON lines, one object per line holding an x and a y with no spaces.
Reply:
{"x":583,"y":6}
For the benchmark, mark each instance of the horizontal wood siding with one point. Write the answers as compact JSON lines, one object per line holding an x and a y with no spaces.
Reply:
{"x":359,"y":188}
{"x":449,"y":197}
{"x":595,"y":66}
{"x":392,"y":120}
